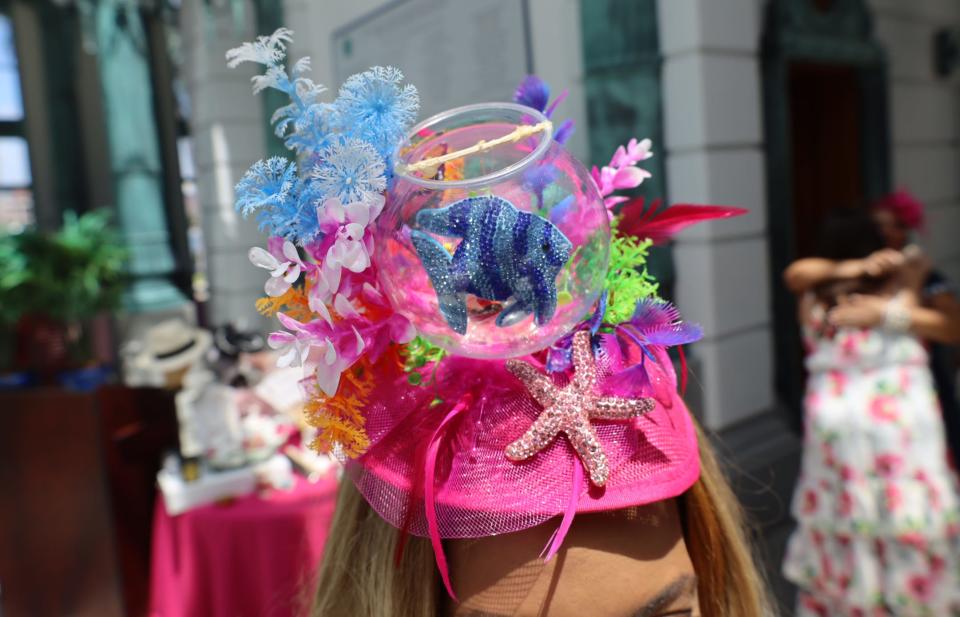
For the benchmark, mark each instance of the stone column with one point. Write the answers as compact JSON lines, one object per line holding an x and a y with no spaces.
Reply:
{"x":714,"y":146}
{"x":227,"y":126}
{"x":715,"y":154}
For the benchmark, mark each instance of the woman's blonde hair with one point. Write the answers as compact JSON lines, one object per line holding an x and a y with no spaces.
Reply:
{"x":359,"y":576}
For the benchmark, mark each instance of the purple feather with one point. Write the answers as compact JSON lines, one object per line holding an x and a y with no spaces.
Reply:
{"x":538,"y":178}
{"x":559,"y":358}
{"x":564,"y":131}
{"x":675,"y":334}
{"x":548,"y":112}
{"x":559,"y":212}
{"x":658,"y":322}
{"x":630,"y":382}
{"x":533,"y":92}
{"x":652,"y":312}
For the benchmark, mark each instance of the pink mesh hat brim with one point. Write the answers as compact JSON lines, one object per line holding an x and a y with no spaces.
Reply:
{"x":479,"y":492}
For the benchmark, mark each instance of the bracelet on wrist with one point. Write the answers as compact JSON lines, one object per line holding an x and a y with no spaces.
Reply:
{"x":896,"y":317}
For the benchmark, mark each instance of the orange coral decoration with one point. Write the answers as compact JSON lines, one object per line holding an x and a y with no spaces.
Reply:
{"x":340,"y":418}
{"x":293,"y":303}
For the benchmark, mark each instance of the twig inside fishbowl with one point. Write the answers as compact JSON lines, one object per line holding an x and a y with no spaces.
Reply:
{"x":431,"y":164}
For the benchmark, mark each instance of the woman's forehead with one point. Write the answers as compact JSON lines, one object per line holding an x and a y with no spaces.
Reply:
{"x":614,"y":563}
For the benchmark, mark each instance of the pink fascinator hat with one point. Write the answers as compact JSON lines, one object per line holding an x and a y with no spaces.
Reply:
{"x":481,"y":341}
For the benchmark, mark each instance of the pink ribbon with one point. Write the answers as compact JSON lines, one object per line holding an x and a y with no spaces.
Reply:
{"x":575,"y":489}
{"x":683,"y":371}
{"x":429,"y":496}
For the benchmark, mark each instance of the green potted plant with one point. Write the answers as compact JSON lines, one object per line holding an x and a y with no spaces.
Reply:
{"x":72,"y":276}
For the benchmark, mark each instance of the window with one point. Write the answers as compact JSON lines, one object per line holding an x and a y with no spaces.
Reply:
{"x":16,"y":197}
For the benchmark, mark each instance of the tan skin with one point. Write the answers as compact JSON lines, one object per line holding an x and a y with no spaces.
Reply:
{"x":936,"y":318}
{"x":627,"y":563}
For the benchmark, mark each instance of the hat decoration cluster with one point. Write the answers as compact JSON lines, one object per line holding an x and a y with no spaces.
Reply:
{"x":393,"y":248}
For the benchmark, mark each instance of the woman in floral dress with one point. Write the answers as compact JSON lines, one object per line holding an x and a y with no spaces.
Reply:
{"x":877,"y":502}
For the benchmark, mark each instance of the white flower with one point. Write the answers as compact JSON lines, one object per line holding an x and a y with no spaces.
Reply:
{"x":283,"y":262}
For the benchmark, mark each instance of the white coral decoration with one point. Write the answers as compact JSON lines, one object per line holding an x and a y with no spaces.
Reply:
{"x":265,"y":50}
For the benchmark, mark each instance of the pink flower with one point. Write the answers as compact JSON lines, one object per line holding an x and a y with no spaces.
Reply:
{"x":324,"y":283}
{"x":326,"y":349}
{"x":323,"y":350}
{"x":848,"y":347}
{"x":829,"y":456}
{"x":839,"y":380}
{"x":937,"y":564}
{"x":283,"y":261}
{"x":914,"y":539}
{"x":887,"y":464}
{"x":894,"y":497}
{"x":298,"y":343}
{"x":847,"y":473}
{"x":811,"y":604}
{"x":622,"y":172}
{"x":921,"y":587}
{"x":817,"y":536}
{"x":631,"y":154}
{"x":883,"y":408}
{"x":344,"y":251}
{"x":904,"y":379}
{"x":347,"y":224}
{"x":809,"y":502}
{"x":846,"y":503}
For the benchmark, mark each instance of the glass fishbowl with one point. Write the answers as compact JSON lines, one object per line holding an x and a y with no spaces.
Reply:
{"x":494,"y":241}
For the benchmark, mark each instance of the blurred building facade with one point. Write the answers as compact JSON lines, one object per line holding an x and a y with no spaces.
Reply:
{"x":785,"y":107}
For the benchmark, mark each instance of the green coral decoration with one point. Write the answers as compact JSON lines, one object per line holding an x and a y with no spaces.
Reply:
{"x":417,"y":354}
{"x":628,"y":281}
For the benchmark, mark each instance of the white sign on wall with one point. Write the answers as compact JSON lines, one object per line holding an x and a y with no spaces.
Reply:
{"x":455,"y":51}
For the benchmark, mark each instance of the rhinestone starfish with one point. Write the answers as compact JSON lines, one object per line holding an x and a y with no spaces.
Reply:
{"x":569,"y":410}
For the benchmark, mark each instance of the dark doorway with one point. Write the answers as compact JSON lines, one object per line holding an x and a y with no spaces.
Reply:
{"x":825,"y":103}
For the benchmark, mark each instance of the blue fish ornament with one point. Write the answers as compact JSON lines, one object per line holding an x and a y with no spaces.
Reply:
{"x":505,"y":255}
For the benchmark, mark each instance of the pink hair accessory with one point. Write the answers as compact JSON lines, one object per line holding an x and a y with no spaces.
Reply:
{"x":438,"y":470}
{"x":908,"y":210}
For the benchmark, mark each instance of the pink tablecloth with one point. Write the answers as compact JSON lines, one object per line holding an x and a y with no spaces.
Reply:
{"x":255,"y":557}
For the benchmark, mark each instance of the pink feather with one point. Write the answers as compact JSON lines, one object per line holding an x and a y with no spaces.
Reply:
{"x":661,"y":225}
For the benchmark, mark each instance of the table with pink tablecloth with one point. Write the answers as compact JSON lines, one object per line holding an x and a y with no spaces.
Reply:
{"x":256,"y":556}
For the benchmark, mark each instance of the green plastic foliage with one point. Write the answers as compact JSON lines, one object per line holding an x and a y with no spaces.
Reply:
{"x":628,"y":281}
{"x":419,"y":353}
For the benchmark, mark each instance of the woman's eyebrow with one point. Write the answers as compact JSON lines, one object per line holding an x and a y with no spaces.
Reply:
{"x":672,"y":592}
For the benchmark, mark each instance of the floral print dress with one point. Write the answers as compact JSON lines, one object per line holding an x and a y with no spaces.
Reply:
{"x":877,"y":503}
